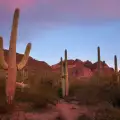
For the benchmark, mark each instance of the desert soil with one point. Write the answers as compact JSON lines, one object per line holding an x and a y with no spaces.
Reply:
{"x":68,"y":111}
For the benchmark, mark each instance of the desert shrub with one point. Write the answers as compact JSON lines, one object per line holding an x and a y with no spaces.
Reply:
{"x":43,"y":90}
{"x":3,"y":105}
{"x":95,"y":91}
{"x":74,"y":86}
{"x":45,"y":94}
{"x":107,"y":114}
{"x":60,"y":92}
{"x":84,"y":117}
{"x":39,"y":94}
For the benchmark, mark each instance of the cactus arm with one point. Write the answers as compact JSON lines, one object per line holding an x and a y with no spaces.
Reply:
{"x":3,"y":63}
{"x":21,"y":85}
{"x":25,"y":57}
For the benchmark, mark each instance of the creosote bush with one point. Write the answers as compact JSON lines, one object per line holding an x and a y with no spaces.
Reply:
{"x":84,"y":117}
{"x":107,"y":114}
{"x":39,"y":93}
{"x":3,"y":103}
{"x":96,"y":92}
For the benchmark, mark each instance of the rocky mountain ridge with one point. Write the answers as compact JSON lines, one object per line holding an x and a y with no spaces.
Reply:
{"x":80,"y":68}
{"x":76,"y":68}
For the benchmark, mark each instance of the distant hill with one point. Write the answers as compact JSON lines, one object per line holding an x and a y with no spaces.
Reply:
{"x":80,"y":68}
{"x":32,"y":63}
{"x":76,"y":68}
{"x":38,"y":70}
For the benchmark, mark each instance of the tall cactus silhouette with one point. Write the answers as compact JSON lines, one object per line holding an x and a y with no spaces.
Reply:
{"x":11,"y":66}
{"x":116,"y":68}
{"x":66,"y":75}
{"x":115,"y":63}
{"x":98,"y":51}
{"x":62,"y":78}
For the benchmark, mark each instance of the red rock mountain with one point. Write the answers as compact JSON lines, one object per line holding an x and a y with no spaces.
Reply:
{"x":80,"y":69}
{"x":33,"y":66}
{"x":76,"y":68}
{"x":39,"y":71}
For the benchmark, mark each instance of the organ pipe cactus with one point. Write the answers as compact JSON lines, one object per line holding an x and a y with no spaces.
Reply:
{"x":11,"y":66}
{"x":64,"y":75}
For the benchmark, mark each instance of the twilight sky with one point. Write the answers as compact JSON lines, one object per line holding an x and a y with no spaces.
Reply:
{"x":54,"y":25}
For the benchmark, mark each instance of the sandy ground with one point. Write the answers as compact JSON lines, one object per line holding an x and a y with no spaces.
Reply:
{"x":66,"y":110}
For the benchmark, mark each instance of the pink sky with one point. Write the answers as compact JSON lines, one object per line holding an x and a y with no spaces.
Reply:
{"x":80,"y":8}
{"x":12,"y":4}
{"x":95,"y":22}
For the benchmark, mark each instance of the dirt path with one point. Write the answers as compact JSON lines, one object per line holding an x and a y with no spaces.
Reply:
{"x":70,"y":111}
{"x":66,"y":110}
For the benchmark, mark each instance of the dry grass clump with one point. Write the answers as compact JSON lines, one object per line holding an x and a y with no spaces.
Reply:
{"x":96,"y":91}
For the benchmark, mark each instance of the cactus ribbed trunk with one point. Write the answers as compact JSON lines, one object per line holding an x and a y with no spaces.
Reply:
{"x":116,"y":68}
{"x":115,"y":63}
{"x":12,"y":68}
{"x":98,"y":50}
{"x":62,"y":78}
{"x":98,"y":58}
{"x":66,"y":75}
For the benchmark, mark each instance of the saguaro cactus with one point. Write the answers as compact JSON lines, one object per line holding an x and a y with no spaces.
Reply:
{"x":62,"y":78}
{"x":98,"y":50}
{"x":115,"y":63}
{"x":11,"y":66}
{"x":116,"y":68}
{"x":66,"y":75}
